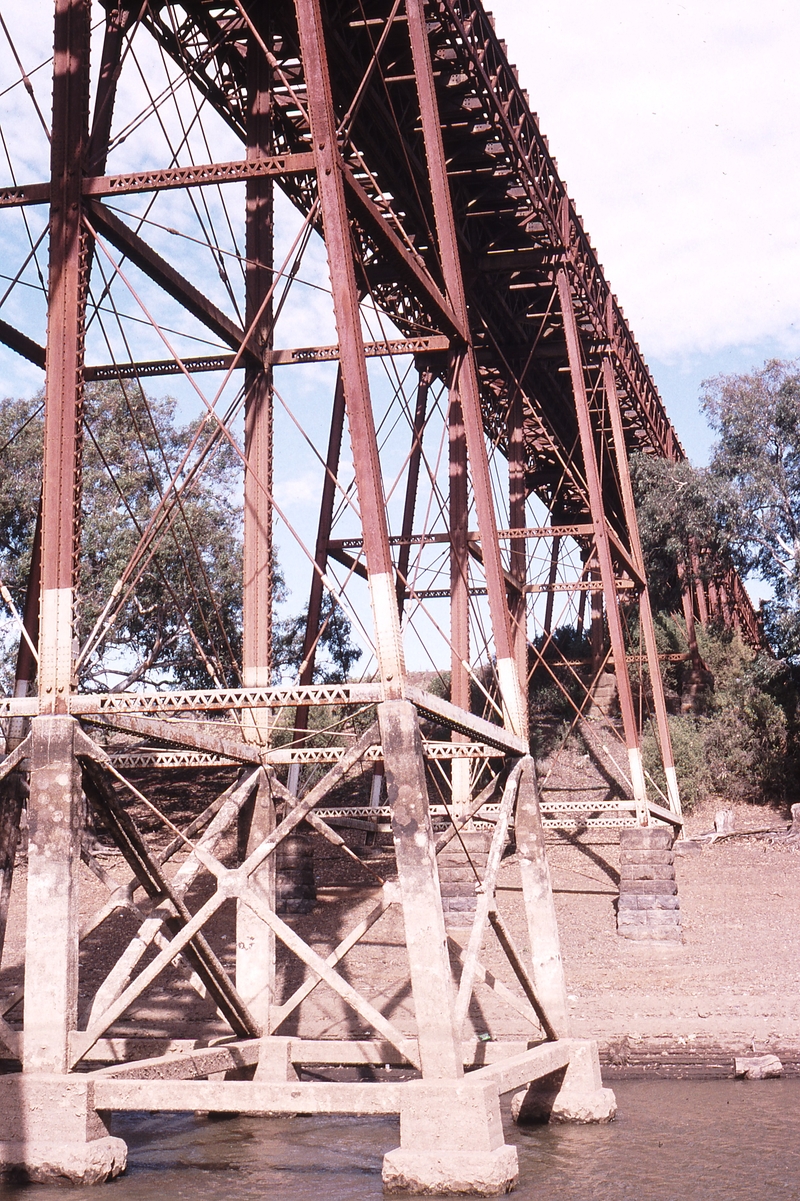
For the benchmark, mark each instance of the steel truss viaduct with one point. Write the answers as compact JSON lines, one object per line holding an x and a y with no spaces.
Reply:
{"x":223,"y":173}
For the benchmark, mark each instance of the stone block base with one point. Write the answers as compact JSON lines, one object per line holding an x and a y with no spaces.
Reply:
{"x":60,"y":1163}
{"x":457,"y":878}
{"x":439,"y":1174}
{"x":649,"y":909}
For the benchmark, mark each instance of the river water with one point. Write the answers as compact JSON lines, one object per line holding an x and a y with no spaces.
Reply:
{"x":672,"y":1141}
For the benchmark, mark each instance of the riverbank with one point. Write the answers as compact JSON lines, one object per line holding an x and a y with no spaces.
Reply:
{"x":731,"y":988}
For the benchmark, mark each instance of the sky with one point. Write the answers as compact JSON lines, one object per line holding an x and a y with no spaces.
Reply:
{"x":677,"y":128}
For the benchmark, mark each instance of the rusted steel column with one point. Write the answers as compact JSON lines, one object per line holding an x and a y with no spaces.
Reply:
{"x":65,"y":335}
{"x":548,"y":969}
{"x":551,"y":579}
{"x":255,"y":940}
{"x":466,"y":374}
{"x":713,"y":600}
{"x":426,"y":941}
{"x":645,"y":610}
{"x":596,"y":624}
{"x":118,"y":22}
{"x":699,"y":587}
{"x":459,"y":590}
{"x":603,"y":548}
{"x":412,"y":484}
{"x":257,"y":584}
{"x":320,"y":562}
{"x":366,"y":461}
{"x":687,"y":602}
{"x":55,"y":821}
{"x":725,"y":604}
{"x":517,"y":551}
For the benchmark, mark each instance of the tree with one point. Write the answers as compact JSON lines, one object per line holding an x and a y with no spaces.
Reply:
{"x":756,"y":464}
{"x":683,"y":525}
{"x":179,"y":620}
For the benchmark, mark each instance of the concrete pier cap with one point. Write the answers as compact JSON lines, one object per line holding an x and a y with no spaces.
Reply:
{"x":51,"y":1133}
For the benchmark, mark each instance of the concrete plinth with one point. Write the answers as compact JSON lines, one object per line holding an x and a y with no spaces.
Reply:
{"x":451,"y":1138}
{"x":50,"y":1132}
{"x":574,"y":1094}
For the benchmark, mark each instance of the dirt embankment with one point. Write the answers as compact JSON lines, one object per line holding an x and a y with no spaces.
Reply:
{"x":731,"y":988}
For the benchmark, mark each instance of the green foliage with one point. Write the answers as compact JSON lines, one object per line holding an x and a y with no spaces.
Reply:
{"x":689,"y":750}
{"x":336,"y":652}
{"x":740,"y":743}
{"x":679,"y":508}
{"x":756,"y":465}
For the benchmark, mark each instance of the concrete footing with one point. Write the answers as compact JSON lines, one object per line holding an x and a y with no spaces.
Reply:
{"x":572,"y":1094}
{"x":649,"y":909}
{"x":451,"y":1141}
{"x":50,"y":1132}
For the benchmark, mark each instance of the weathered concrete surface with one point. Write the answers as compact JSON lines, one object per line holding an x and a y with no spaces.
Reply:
{"x":540,"y":913}
{"x":451,"y":1141}
{"x":758,"y":1067}
{"x":50,"y":1131}
{"x":55,"y":821}
{"x":425,"y":937}
{"x":574,"y":1094}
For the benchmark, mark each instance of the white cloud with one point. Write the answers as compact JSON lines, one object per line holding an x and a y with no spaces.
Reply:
{"x":676,"y":127}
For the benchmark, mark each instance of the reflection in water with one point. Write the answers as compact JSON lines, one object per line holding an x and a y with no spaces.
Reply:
{"x":673,"y":1141}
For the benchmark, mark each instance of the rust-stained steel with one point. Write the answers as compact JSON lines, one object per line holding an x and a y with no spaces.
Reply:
{"x":459,"y":268}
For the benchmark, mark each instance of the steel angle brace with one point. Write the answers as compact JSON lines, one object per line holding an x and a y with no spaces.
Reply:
{"x":103,"y":798}
{"x":320,"y":825}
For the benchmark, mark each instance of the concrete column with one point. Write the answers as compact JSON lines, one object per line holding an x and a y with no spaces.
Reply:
{"x":548,"y":969}
{"x":50,"y":1131}
{"x":255,"y":941}
{"x":451,"y":1141}
{"x":55,"y":820}
{"x":429,"y":961}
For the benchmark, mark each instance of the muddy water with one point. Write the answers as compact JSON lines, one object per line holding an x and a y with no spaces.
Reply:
{"x":672,"y":1141}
